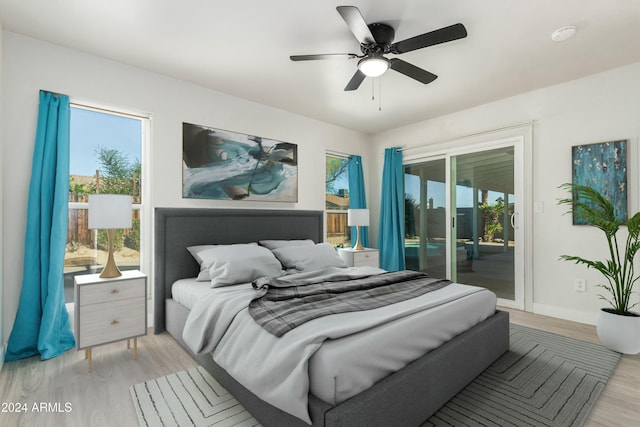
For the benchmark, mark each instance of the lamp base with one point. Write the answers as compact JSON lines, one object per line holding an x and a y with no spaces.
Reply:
{"x":358,"y":246}
{"x":110,"y":270}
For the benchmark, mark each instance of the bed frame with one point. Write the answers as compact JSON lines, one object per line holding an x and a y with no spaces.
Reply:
{"x":407,"y":397}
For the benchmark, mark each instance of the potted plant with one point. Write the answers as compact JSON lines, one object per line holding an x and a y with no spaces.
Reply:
{"x":618,"y":326}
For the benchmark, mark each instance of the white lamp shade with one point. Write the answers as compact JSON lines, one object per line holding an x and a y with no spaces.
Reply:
{"x":358,"y":217}
{"x":109,"y":211}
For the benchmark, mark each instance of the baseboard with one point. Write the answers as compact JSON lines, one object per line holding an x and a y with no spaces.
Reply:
{"x":567,"y":314}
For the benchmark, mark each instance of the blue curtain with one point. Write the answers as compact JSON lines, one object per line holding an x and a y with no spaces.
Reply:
{"x":42,"y":323}
{"x":391,"y":229}
{"x":357,"y":196}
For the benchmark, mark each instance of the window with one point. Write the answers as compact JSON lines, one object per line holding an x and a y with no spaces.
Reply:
{"x":105,"y":157}
{"x":337,"y":200}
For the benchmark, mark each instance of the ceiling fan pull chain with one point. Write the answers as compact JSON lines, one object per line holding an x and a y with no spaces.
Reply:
{"x":379,"y":94}
{"x":373,"y":89}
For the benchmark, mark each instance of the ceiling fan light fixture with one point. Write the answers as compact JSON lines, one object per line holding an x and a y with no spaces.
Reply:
{"x":373,"y":66}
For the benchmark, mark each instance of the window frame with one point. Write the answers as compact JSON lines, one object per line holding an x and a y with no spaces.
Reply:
{"x":347,"y":242}
{"x":145,"y":214}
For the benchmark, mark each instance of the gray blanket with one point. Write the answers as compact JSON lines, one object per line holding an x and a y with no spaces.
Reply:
{"x":281,"y":305}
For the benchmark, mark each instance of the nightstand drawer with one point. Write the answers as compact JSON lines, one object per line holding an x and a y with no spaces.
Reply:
{"x":114,"y":290}
{"x":106,"y":322}
{"x":368,"y":258}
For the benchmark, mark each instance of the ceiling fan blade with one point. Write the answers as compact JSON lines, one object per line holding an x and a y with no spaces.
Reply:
{"x":443,"y":35}
{"x":410,"y":70}
{"x":355,"y":81}
{"x":356,"y":24}
{"x":323,"y":56}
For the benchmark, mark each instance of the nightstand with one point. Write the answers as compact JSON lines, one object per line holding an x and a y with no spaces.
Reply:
{"x":109,"y":310}
{"x":367,"y":257}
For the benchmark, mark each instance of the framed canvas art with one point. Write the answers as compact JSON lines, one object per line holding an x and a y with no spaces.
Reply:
{"x":219,"y":164}
{"x":603,"y":167}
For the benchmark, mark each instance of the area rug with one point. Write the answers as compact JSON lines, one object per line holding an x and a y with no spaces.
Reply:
{"x":543,"y":380}
{"x":188,"y":398}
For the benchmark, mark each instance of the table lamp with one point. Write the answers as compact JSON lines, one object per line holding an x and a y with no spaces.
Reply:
{"x":358,"y":218}
{"x":110,"y":212}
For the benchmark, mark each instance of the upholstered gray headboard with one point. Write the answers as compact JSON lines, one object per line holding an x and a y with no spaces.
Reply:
{"x":178,"y":228}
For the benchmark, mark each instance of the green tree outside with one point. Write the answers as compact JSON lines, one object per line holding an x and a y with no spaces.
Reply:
{"x":118,"y":175}
{"x":336,"y":166}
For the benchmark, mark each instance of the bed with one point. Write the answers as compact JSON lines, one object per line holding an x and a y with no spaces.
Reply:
{"x":406,"y":397}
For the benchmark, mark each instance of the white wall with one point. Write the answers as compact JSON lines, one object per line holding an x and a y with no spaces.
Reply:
{"x":598,"y":108}
{"x":31,"y":65}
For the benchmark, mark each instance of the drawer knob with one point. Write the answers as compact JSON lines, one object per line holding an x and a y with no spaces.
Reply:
{"x":115,"y":322}
{"x":115,"y":291}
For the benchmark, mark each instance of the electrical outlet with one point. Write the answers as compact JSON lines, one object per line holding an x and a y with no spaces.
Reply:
{"x":580,"y":285}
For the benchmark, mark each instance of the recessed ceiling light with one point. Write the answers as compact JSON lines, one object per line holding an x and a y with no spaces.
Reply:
{"x":563,"y":34}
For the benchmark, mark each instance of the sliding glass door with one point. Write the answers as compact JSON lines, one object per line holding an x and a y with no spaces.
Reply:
{"x":425,"y":217}
{"x":484,"y":212}
{"x":461,"y":218}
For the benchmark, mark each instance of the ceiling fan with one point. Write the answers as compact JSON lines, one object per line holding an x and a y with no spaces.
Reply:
{"x":376,"y":41}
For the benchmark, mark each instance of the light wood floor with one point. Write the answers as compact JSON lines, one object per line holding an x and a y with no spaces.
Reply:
{"x":102,"y":398}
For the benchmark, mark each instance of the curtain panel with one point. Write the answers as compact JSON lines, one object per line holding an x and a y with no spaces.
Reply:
{"x":357,"y":195}
{"x":391,"y":229}
{"x":42,"y":322}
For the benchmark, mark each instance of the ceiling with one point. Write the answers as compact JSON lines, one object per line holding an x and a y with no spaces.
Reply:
{"x":242,"y":48}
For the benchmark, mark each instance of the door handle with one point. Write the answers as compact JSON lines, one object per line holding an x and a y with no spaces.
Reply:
{"x":513,"y":220}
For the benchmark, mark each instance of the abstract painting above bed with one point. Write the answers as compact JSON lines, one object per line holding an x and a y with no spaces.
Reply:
{"x":219,"y":164}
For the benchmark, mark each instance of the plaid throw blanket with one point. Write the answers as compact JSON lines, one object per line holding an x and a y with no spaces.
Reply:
{"x":280,"y":307}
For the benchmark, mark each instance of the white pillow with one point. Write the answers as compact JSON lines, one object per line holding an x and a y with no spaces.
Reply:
{"x":308,"y":258}
{"x":276,"y":244}
{"x":203,"y":275}
{"x":241,"y":263}
{"x":195,"y":251}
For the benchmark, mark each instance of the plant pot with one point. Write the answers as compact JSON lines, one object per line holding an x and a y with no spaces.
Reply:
{"x":619,"y":332}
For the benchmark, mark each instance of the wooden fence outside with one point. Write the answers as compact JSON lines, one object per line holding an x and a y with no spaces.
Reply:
{"x":78,"y":229}
{"x":337,"y":224}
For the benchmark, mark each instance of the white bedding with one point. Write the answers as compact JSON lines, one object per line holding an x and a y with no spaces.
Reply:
{"x":344,"y":367}
{"x":189,"y":291}
{"x":354,"y":354}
